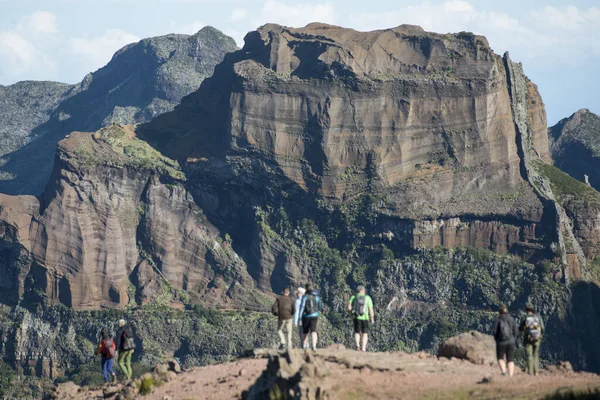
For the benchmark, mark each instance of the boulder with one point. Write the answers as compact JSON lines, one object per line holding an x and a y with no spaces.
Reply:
{"x":472,"y":346}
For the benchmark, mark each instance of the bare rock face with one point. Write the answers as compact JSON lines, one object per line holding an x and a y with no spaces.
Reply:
{"x":436,"y":132}
{"x":102,"y":226}
{"x":473,"y":346}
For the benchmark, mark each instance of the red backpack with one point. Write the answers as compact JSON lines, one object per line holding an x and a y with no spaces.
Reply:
{"x":108,"y":350}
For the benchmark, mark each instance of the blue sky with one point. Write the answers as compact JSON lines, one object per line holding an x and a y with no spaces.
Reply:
{"x":62,"y":40}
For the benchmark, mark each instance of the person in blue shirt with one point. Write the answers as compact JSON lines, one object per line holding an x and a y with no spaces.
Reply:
{"x":297,"y":316}
{"x":309,"y":311}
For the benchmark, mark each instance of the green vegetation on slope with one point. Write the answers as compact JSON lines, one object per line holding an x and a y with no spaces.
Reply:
{"x":117,"y":146}
{"x":565,"y":187}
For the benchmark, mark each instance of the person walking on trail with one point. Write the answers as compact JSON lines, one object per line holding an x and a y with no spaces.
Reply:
{"x":107,"y":350}
{"x":285,"y":308}
{"x":125,"y":347}
{"x":309,"y":310}
{"x":297,"y":317}
{"x":533,"y":329}
{"x":361,"y":308}
{"x":505,"y":333}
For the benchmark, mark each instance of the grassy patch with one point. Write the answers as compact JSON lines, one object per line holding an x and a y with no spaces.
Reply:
{"x":564,"y":186}
{"x":146,"y":385}
{"x":124,"y":149}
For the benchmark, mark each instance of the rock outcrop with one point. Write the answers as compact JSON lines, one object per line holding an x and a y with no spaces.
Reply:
{"x":141,"y":81}
{"x":473,"y":346}
{"x":575,"y":145}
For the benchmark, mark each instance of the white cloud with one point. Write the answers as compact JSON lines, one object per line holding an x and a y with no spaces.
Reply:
{"x":18,"y":57}
{"x":238,"y":14}
{"x":21,"y":49}
{"x":283,"y":13}
{"x":96,"y":52}
{"x":191,"y":28}
{"x":561,"y":33}
{"x":296,"y":15}
{"x":38,"y":22}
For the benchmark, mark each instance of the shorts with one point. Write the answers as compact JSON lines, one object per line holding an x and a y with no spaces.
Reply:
{"x":361,"y":326}
{"x":507,"y":349}
{"x":309,"y":325}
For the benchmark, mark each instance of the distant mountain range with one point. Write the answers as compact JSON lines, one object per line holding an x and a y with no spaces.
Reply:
{"x":141,"y":81}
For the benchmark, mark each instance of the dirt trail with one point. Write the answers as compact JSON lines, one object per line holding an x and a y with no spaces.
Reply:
{"x":346,"y":374}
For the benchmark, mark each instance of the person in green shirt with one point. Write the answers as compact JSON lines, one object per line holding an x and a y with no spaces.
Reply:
{"x":361,"y":308}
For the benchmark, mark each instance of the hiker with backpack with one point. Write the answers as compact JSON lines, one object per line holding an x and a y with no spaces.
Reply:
{"x":309,"y":310}
{"x":107,"y":350}
{"x":361,"y":308}
{"x":505,"y":333}
{"x":297,"y":317}
{"x":285,"y":308}
{"x":533,"y":329}
{"x":125,"y":347}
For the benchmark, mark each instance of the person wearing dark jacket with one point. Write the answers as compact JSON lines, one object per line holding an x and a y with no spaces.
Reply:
{"x":125,"y":347}
{"x":285,"y":308}
{"x":505,"y":333}
{"x":533,"y":329}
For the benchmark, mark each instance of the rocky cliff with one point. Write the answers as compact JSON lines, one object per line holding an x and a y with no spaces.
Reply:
{"x":305,"y":145}
{"x":575,"y":145}
{"x":328,"y":155}
{"x":141,"y":81}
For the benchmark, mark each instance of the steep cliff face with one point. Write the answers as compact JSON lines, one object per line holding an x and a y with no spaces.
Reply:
{"x":141,"y":81}
{"x":309,"y":154}
{"x":576,"y":146}
{"x":114,"y":207}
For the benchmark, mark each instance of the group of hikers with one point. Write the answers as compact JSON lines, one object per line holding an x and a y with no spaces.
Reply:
{"x":303,"y":312}
{"x":121,"y":347}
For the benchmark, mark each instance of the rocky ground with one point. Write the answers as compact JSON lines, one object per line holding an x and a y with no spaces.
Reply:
{"x":337,"y":373}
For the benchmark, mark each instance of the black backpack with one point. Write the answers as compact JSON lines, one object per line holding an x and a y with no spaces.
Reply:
{"x":127,"y":340}
{"x":505,"y":332}
{"x":360,"y":305}
{"x":312,"y":305}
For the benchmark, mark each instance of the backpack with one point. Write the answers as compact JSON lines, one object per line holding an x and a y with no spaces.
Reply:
{"x":533,"y":328}
{"x":108,"y":350}
{"x":128,"y":343}
{"x":360,"y":305}
{"x":311,"y":305}
{"x":505,"y":333}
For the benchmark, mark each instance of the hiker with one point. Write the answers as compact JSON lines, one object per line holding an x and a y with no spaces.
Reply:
{"x":297,"y":317}
{"x":533,"y":329}
{"x":107,"y":350}
{"x":285,"y":308}
{"x":361,"y":308}
{"x":125,"y":347}
{"x":505,"y":333}
{"x":309,"y":310}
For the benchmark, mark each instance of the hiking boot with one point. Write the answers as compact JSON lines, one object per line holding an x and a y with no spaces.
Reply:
{"x":282,"y":347}
{"x":314,"y":348}
{"x":114,"y":378}
{"x":357,"y":348}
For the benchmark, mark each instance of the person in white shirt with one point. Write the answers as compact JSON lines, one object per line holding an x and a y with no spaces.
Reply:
{"x":297,"y":317}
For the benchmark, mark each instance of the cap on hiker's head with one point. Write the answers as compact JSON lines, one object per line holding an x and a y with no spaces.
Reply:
{"x":360,"y":288}
{"x":529,"y":307}
{"x":122,"y":322}
{"x":301,"y":290}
